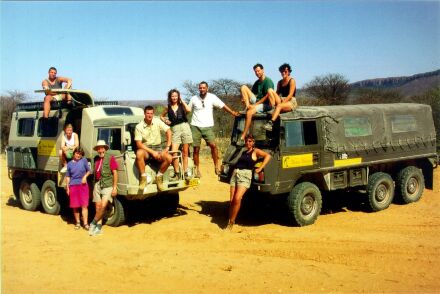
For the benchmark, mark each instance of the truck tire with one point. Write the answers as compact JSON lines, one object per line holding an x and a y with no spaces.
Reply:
{"x":410,"y":184}
{"x":49,"y":198}
{"x":30,"y":196}
{"x":380,"y":190}
{"x":16,"y":187}
{"x":304,"y":204}
{"x":115,"y":214}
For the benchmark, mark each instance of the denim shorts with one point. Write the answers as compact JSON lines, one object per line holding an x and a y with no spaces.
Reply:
{"x":260,"y":108}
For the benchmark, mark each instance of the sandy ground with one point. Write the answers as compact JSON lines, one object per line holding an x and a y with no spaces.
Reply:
{"x":346,"y":250}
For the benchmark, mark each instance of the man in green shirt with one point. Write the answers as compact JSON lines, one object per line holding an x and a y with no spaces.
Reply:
{"x":257,"y":99}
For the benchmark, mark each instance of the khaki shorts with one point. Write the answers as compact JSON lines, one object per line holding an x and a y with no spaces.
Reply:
{"x":292,"y":102}
{"x":182,"y":134}
{"x":102,"y":193}
{"x":58,"y":97}
{"x":198,"y":133}
{"x":241,"y":177}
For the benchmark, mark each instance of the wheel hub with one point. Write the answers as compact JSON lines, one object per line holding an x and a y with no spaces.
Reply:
{"x":412,"y":186}
{"x":307,"y":204}
{"x":50,"y":198}
{"x":381,"y":192}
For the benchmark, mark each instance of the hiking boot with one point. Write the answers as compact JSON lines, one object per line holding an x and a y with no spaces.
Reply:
{"x":187,"y":176}
{"x":142,"y":182}
{"x":268,"y":126}
{"x":159,"y":183}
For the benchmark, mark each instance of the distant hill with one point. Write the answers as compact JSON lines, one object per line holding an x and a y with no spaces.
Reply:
{"x":407,"y":86}
{"x":142,"y":103}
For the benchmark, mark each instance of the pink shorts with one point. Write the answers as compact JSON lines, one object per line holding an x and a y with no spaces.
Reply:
{"x":79,"y":196}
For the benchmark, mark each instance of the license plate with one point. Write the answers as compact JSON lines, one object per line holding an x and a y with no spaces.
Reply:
{"x":192,"y":182}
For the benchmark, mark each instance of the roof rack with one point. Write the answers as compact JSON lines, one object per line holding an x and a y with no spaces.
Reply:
{"x":30,"y":106}
{"x":106,"y":103}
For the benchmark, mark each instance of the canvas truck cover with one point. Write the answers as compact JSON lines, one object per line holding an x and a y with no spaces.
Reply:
{"x":79,"y":97}
{"x":359,"y":127}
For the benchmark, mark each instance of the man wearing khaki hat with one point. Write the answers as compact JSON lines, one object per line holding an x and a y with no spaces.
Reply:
{"x":106,"y":179}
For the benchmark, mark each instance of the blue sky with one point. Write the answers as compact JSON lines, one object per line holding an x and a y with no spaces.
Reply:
{"x":141,"y":49}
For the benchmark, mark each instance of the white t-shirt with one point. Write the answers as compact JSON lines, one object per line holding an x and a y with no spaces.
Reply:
{"x":202,"y":113}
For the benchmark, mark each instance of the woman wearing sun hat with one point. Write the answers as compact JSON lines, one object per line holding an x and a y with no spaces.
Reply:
{"x":106,"y":179}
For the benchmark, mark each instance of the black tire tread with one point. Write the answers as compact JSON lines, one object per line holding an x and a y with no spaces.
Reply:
{"x":402,"y":178}
{"x":294,"y":204}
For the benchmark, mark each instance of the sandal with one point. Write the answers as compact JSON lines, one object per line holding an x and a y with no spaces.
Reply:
{"x":77,"y":226}
{"x":86,"y":227}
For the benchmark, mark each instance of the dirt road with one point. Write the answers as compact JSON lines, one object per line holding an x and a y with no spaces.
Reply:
{"x":346,"y":250}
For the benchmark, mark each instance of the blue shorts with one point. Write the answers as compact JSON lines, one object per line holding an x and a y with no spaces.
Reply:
{"x":260,"y":108}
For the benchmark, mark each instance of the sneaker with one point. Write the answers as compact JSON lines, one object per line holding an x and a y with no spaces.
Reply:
{"x":142,"y":182}
{"x":159,"y":183}
{"x":92,"y":228}
{"x":175,"y":177}
{"x":63,"y":170}
{"x":97,"y":230}
{"x":187,"y":176}
{"x":268,"y":126}
{"x":229,"y":226}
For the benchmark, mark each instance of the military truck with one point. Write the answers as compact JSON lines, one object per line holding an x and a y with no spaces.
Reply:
{"x":382,"y":150}
{"x":34,"y":164}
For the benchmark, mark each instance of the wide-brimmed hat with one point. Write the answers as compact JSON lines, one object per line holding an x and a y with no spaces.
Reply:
{"x":99,"y":144}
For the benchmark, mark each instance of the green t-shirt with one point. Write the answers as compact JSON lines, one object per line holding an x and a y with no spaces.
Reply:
{"x":260,"y":88}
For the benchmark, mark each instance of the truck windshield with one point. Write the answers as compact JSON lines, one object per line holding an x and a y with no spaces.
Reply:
{"x":262,"y":137}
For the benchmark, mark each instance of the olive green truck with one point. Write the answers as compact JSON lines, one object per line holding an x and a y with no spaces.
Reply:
{"x":383,"y":150}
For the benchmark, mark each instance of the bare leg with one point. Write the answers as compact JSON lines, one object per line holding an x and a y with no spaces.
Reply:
{"x":185,"y":149}
{"x":214,"y":155}
{"x":141,"y":156}
{"x":100,"y":209}
{"x":46,"y":106}
{"x":76,"y":215}
{"x":85,"y":215}
{"x":246,"y":94}
{"x":274,"y":99}
{"x":247,"y":125}
{"x":166,"y":161}
{"x":196,"y":157}
{"x":236,"y":203}
{"x":174,"y":148}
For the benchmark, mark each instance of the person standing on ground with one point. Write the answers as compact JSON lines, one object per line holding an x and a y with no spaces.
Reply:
{"x":54,"y":82}
{"x":174,"y":115}
{"x":106,"y":180}
{"x":202,"y":123}
{"x":284,"y":96}
{"x":257,"y":99}
{"x":242,"y":176}
{"x":77,"y":188}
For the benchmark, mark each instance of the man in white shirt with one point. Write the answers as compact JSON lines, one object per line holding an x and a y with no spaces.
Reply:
{"x":202,"y":123}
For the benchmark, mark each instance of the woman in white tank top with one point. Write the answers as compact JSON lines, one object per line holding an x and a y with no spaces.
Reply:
{"x":69,"y":141}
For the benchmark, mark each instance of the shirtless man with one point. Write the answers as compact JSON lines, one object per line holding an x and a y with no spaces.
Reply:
{"x":54,"y":82}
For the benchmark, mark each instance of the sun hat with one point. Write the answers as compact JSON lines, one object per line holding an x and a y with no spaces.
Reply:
{"x":101,"y":143}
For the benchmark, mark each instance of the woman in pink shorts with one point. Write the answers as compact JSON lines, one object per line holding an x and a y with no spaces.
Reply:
{"x":77,"y":189}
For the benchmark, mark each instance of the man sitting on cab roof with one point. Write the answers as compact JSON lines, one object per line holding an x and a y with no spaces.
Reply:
{"x":54,"y":82}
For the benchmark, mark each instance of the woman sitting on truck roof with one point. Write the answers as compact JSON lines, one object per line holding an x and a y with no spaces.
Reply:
{"x":284,"y":97}
{"x":69,"y":141}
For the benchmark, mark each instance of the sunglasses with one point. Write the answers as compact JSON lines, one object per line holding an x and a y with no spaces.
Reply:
{"x":203,"y":103}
